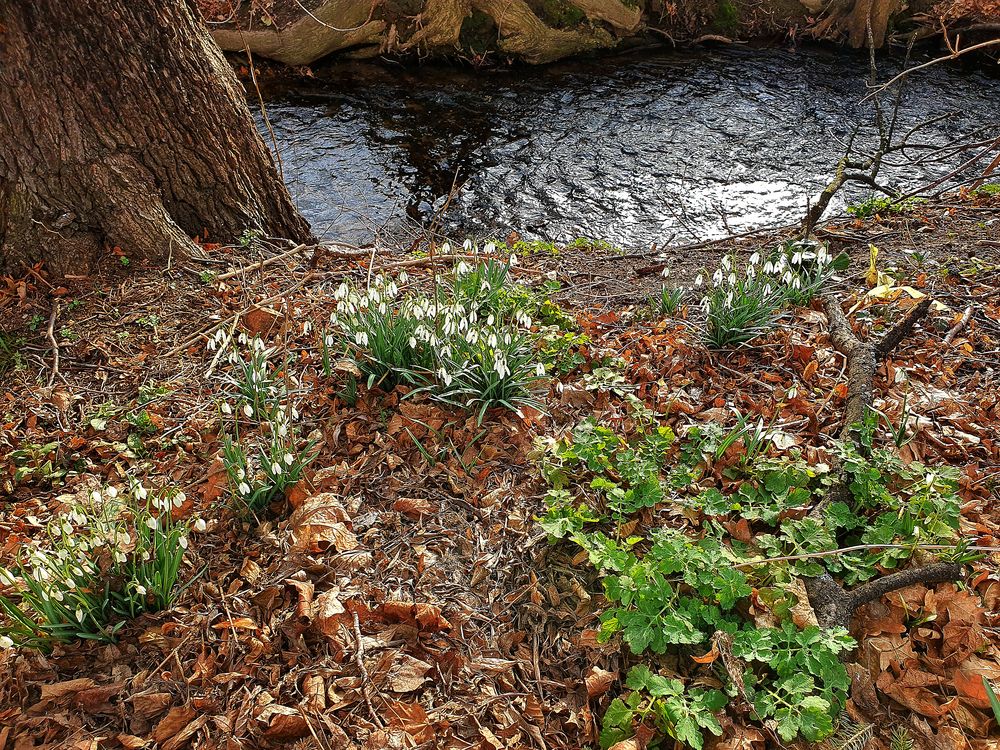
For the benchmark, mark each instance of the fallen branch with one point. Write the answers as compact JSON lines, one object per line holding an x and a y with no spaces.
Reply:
{"x":959,"y":326}
{"x":349,"y":251}
{"x":831,"y":602}
{"x":834,"y":606}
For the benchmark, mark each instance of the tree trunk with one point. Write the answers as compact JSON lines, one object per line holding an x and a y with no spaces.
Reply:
{"x":121,"y":124}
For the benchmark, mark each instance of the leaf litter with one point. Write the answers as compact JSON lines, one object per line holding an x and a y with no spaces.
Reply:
{"x":407,"y":597}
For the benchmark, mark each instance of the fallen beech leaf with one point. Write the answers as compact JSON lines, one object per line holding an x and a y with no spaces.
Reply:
{"x":240,"y":623}
{"x":171,"y":724}
{"x":427,"y":616}
{"x":414,"y":506}
{"x":708,"y":658}
{"x":599,"y":681}
{"x":412,"y":719}
{"x":321,"y":522}
{"x":282,"y":723}
{"x":407,"y":674}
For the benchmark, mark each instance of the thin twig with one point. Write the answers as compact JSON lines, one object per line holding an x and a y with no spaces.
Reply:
{"x":55,"y":344}
{"x":957,"y":328}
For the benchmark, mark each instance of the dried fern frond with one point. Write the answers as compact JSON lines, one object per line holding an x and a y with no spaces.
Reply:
{"x":850,"y":735}
{"x":900,"y":739}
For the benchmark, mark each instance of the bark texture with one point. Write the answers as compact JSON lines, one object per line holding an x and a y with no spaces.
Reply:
{"x":123,"y":125}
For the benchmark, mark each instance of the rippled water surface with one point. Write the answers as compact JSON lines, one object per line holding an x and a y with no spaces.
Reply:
{"x":634,"y":150}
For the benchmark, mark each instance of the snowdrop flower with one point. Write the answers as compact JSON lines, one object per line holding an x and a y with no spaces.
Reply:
{"x":796,"y":257}
{"x":210,"y":345}
{"x":446,"y":248}
{"x":467,"y":245}
{"x":95,"y":497}
{"x":490,"y":247}
{"x":140,"y":589}
{"x":183,"y":541}
{"x":361,"y":338}
{"x":58,"y":595}
{"x":6,"y":642}
{"x":276,"y":468}
{"x":726,"y":262}
{"x":665,"y":273}
{"x":179,"y":499}
{"x":403,"y":277}
{"x":152,"y":523}
{"x":120,"y":557}
{"x":79,"y":614}
{"x":244,"y":488}
{"x":732,"y":279}
{"x":289,"y":459}
{"x":413,"y":342}
{"x":225,"y":408}
{"x":248,"y":410}
{"x":699,"y":280}
{"x":540,"y":369}
{"x":307,"y":327}
{"x":787,"y":277}
{"x":445,"y":376}
{"x":769,"y":267}
{"x":717,"y":277}
{"x":200,"y":525}
{"x":755,"y":259}
{"x":796,"y":283}
{"x":513,"y":259}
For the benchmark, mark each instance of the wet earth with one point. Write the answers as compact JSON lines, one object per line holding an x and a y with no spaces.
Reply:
{"x":647,"y":148}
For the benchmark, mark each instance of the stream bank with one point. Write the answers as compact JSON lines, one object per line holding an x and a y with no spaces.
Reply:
{"x":542,"y":31}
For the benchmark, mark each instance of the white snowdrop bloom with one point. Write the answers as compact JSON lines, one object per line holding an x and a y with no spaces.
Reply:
{"x":392,"y":290}
{"x":717,"y":277}
{"x":67,"y":528}
{"x":751,"y":273}
{"x":289,"y":459}
{"x":539,"y":369}
{"x":492,"y":340}
{"x":467,"y":245}
{"x":123,"y":538}
{"x":768,"y":289}
{"x":276,"y":468}
{"x":183,"y":541}
{"x":70,"y":585}
{"x":732,"y":279}
{"x":796,"y":283}
{"x":445,"y":351}
{"x":490,"y":247}
{"x":307,"y":327}
{"x":242,"y":339}
{"x":768,"y":267}
{"x":822,"y":256}
{"x":120,"y":557}
{"x":248,"y":410}
{"x":665,"y":273}
{"x":145,"y":555}
{"x":341,"y":291}
{"x":79,"y":614}
{"x":490,"y":319}
{"x":787,"y":277}
{"x":507,"y":339}
{"x":382,"y":308}
{"x":699,"y":280}
{"x":755,"y":259}
{"x":57,"y":595}
{"x":726,"y":262}
{"x":140,"y":589}
{"x":403,"y":277}
{"x":729,"y":299}
{"x":244,"y":488}
{"x":225,"y":408}
{"x":796,"y":257}
{"x":179,"y":499}
{"x":462,"y":268}
{"x":210,"y":345}
{"x":472,"y":336}
{"x":412,"y":342}
{"x":6,"y":577}
{"x":513,"y":259}
{"x":361,"y":338}
{"x":152,"y":523}
{"x":95,"y":497}
{"x":6,"y":642}
{"x":240,"y":474}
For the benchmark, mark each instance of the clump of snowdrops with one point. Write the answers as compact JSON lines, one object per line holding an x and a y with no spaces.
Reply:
{"x":110,"y":558}
{"x":742,"y":304}
{"x":264,"y":461}
{"x":468,"y":343}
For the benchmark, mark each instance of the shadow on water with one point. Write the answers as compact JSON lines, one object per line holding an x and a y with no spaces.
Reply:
{"x":634,"y":150}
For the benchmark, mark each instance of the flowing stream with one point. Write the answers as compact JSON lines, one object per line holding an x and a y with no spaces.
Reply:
{"x":636,"y":149}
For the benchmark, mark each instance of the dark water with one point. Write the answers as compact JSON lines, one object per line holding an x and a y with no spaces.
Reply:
{"x":633,"y":150}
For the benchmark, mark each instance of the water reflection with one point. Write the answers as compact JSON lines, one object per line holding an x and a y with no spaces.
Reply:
{"x":634,"y":150}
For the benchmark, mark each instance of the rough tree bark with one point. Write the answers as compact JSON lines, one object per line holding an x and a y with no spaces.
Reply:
{"x":123,"y":125}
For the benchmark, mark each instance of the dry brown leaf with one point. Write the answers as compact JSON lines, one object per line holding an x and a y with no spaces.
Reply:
{"x":282,"y":723}
{"x":407,"y":673}
{"x":321,"y":522}
{"x":171,"y":724}
{"x":599,"y":681}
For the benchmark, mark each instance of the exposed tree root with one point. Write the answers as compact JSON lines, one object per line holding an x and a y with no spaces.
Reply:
{"x":526,"y":36}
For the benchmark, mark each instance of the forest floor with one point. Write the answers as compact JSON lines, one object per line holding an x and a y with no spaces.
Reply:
{"x":413,"y":600}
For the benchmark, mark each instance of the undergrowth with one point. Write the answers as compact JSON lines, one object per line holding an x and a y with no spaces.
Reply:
{"x":703,"y":585}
